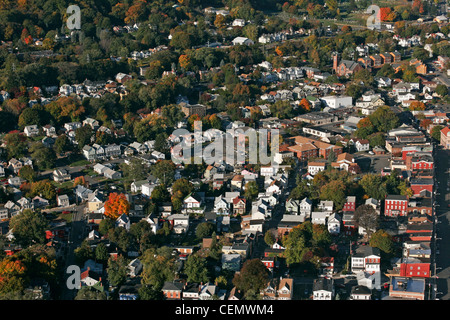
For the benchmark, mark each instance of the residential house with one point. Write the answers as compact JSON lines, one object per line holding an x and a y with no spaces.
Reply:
{"x":334,"y":223}
{"x":123,"y":221}
{"x":179,"y":223}
{"x":31,"y":131}
{"x":61,"y":175}
{"x":366,"y":259}
{"x":172,"y":290}
{"x":360,"y":293}
{"x":62,"y":200}
{"x":323,"y":289}
{"x":395,"y":205}
{"x":239,"y":206}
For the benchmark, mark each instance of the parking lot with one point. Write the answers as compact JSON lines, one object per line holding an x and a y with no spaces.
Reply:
{"x":372,"y":163}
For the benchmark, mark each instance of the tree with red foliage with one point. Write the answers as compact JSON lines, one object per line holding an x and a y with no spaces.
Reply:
{"x":116,"y":205}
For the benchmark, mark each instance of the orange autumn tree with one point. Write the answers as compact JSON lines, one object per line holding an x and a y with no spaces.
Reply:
{"x":305,"y":105}
{"x":79,"y":180}
{"x":116,"y":205}
{"x":417,"y":106}
{"x":11,"y":276}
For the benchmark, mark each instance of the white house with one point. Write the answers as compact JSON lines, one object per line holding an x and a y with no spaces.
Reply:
{"x":242,"y":41}
{"x":314,"y":167}
{"x":323,"y":289}
{"x":335,"y":102}
{"x":319,"y":217}
{"x":31,"y":131}
{"x":334,"y":223}
{"x":123,"y":221}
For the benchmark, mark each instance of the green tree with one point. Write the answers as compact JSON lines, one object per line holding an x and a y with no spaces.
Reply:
{"x":383,"y":241}
{"x":160,"y":194}
{"x":44,"y":158}
{"x":117,"y":270}
{"x":28,"y":227}
{"x":269,"y":238}
{"x":164,"y":170}
{"x":147,"y":292}
{"x":374,"y":186}
{"x":436,"y":132}
{"x":27,"y":173}
{"x":196,"y":269}
{"x":158,"y":267}
{"x":89,"y":293}
{"x":101,"y":253}
{"x":334,"y":191}
{"x":442,"y":90}
{"x":62,"y":144}
{"x":15,"y":145}
{"x":204,"y":229}
{"x":252,"y":278}
{"x":251,"y":191}
{"x":384,"y":119}
{"x":83,"y":136}
{"x":84,"y":253}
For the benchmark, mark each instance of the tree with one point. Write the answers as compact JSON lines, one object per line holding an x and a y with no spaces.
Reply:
{"x":442,"y":90}
{"x":12,"y":273}
{"x":15,"y":145}
{"x":158,"y":267}
{"x":28,"y":227}
{"x":161,"y":143}
{"x":366,"y":217}
{"x":44,"y":158}
{"x":83,"y":136}
{"x":417,"y":106}
{"x":89,"y":293}
{"x":160,"y":194}
{"x":384,"y":119}
{"x":269,"y":238}
{"x":436,"y":132}
{"x":101,"y":253}
{"x":62,"y":144}
{"x":252,"y":278}
{"x":335,"y":191}
{"x":116,"y":205}
{"x":27,"y":173}
{"x":43,"y":188}
{"x":204,"y":229}
{"x":164,"y":170}
{"x":251,"y":190}
{"x":135,"y":170}
{"x":84,"y":252}
{"x":373,"y":186}
{"x":147,"y":292}
{"x":195,"y":269}
{"x":383,"y":241}
{"x":105,"y":225}
{"x":117,"y":270}
{"x":172,"y":114}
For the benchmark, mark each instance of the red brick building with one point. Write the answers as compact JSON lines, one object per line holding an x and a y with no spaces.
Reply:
{"x":396,"y":205}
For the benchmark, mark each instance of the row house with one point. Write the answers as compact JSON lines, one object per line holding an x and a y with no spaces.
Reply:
{"x":421,"y":206}
{"x":395,"y":205}
{"x":422,"y":187}
{"x":420,"y":231}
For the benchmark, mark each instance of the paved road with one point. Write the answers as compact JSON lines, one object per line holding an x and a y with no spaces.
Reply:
{"x":443,"y":225}
{"x":77,"y":234}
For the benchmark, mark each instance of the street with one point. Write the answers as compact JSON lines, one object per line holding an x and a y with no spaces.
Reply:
{"x":442,"y":227}
{"x":76,"y":236}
